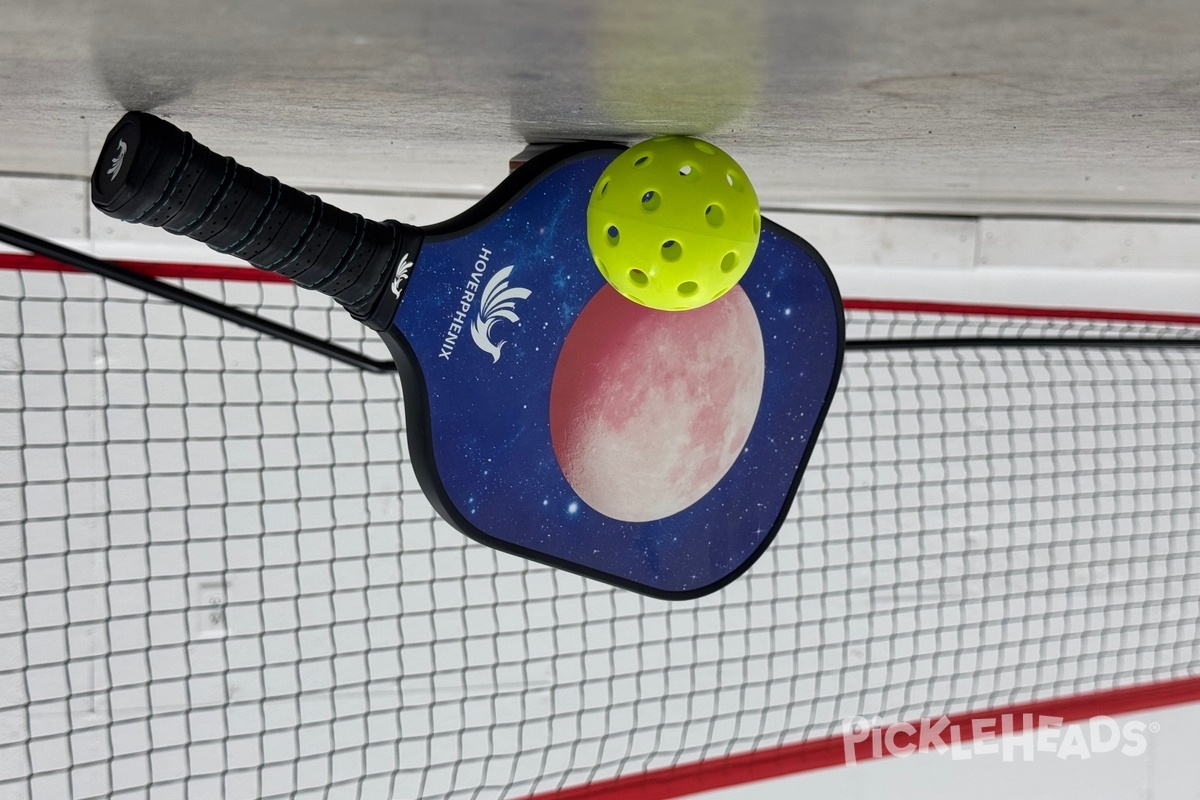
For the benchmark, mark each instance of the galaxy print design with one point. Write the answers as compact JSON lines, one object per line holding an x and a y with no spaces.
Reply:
{"x":489,"y":415}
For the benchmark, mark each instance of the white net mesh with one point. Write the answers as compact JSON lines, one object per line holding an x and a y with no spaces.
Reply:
{"x":218,"y":576}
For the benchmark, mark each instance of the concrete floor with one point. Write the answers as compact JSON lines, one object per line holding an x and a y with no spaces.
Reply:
{"x":952,"y":106}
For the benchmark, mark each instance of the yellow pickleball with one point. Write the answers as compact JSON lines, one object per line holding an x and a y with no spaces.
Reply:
{"x":673,"y":223}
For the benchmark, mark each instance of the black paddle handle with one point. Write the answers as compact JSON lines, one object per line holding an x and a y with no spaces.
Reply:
{"x":150,"y":172}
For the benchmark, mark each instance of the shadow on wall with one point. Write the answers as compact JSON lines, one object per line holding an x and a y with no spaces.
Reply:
{"x":151,"y":63}
{"x":618,"y":69}
{"x":678,"y":66}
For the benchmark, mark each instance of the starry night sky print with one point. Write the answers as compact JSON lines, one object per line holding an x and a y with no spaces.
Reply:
{"x":490,"y":420}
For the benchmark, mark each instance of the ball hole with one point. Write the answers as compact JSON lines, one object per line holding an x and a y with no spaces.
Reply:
{"x":705,"y":147}
{"x":651,"y":201}
{"x":642,"y":161}
{"x":729,"y":262}
{"x":689,"y":171}
{"x":714,"y":216}
{"x":734,"y":180}
{"x":603,"y":188}
{"x":638,"y":277}
{"x":603,"y":269}
{"x":687,"y":288}
{"x":757,"y":223}
{"x":672,"y":250}
{"x":614,"y":235}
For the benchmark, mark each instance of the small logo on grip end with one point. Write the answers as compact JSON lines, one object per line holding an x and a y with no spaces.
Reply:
{"x":403,"y":270}
{"x":118,"y":160}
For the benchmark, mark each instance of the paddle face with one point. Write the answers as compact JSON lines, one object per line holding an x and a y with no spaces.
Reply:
{"x":547,"y":415}
{"x":552,"y":418}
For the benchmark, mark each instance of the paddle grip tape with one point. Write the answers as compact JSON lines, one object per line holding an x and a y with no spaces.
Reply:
{"x":152,"y":173}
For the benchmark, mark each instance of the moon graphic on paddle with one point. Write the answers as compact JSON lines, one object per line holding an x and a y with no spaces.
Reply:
{"x":649,"y":409}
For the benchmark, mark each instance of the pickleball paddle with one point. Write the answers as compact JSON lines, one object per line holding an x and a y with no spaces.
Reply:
{"x":547,"y":416}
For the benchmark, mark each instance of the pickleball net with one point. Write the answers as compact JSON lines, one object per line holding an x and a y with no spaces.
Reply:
{"x":220,"y":578}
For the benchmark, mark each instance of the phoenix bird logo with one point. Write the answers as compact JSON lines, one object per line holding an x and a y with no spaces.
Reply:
{"x":496,"y":303}
{"x":402,"y":270}
{"x":118,"y":160}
